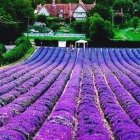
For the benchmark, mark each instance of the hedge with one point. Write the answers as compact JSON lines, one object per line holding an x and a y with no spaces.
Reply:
{"x":22,"y":47}
{"x":2,"y":48}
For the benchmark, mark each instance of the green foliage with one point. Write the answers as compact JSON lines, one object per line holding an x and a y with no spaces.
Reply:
{"x":54,"y":26}
{"x":100,"y":30}
{"x":2,"y":48}
{"x":5,"y":27}
{"x":14,"y":18}
{"x":135,"y":22}
{"x":55,"y":19}
{"x":54,"y":23}
{"x":81,"y":26}
{"x":22,"y":46}
{"x":125,"y":5}
{"x":103,"y":10}
{"x":36,"y":2}
{"x":137,"y":8}
{"x":41,"y":18}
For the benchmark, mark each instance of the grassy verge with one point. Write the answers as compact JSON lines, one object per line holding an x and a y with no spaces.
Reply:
{"x":128,"y":35}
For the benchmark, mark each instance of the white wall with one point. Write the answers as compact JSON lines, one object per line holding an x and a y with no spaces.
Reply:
{"x":79,"y":13}
{"x":44,"y":11}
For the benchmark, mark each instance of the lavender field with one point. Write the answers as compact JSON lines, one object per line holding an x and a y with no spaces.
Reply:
{"x":59,"y":94}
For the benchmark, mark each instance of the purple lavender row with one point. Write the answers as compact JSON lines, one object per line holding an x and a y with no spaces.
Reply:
{"x":34,"y":56}
{"x":26,"y":86}
{"x":124,"y":79}
{"x":27,"y":123}
{"x":8,"y":76}
{"x":18,"y":81}
{"x":21,"y":73}
{"x":25,"y":67}
{"x":12,"y":69}
{"x":122,"y":126}
{"x":90,"y":121}
{"x":134,"y":55}
{"x":138,"y":50}
{"x":36,"y":53}
{"x":128,"y":59}
{"x":20,"y":104}
{"x":60,"y":124}
{"x":116,"y":60}
{"x":124,"y":62}
{"x":125,"y":99}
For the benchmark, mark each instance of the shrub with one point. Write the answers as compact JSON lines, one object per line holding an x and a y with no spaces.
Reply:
{"x":22,"y":46}
{"x":81,"y":26}
{"x":2,"y":48}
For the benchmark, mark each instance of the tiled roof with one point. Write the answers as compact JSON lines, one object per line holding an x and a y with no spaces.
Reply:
{"x":67,"y":9}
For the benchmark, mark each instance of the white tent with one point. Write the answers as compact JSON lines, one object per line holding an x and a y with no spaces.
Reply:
{"x":84,"y":42}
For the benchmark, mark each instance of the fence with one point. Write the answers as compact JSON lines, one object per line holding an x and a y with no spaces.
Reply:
{"x":55,"y":35}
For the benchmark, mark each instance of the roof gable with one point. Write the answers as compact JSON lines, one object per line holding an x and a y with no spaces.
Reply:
{"x":79,"y":5}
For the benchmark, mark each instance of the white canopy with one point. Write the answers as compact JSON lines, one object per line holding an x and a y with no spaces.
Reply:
{"x":81,"y":41}
{"x":84,"y":42}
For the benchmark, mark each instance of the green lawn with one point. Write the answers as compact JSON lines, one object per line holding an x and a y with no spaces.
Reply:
{"x":58,"y":38}
{"x":127,"y":34}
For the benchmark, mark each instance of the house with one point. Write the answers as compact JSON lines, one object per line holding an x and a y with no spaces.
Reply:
{"x":67,"y":11}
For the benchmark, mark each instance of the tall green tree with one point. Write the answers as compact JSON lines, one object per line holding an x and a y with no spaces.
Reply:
{"x":126,"y":5}
{"x":103,"y":10}
{"x":14,"y":18}
{"x":100,"y":30}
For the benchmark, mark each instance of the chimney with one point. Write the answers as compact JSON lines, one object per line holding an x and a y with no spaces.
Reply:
{"x":53,"y":2}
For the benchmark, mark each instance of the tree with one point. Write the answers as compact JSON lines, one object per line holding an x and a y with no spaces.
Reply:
{"x":23,"y":10}
{"x":100,"y":30}
{"x":135,"y":22}
{"x":137,"y":8}
{"x":81,"y":26}
{"x":103,"y":10}
{"x":54,"y":26}
{"x":7,"y":26}
{"x":36,"y":2}
{"x":41,"y":18}
{"x":126,"y":5}
{"x":14,"y":18}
